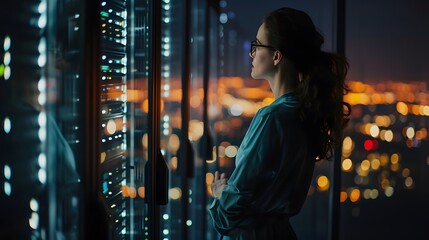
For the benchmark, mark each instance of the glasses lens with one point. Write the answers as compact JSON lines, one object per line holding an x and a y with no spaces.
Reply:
{"x":252,"y":47}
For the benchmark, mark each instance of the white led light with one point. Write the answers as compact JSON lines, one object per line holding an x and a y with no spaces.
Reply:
{"x":42,"y":119}
{"x":167,"y":7}
{"x":42,"y":21}
{"x":7,"y":58}
{"x":42,"y":160}
{"x":165,"y":132}
{"x":7,"y":125}
{"x":34,"y":205}
{"x":223,"y":18}
{"x":6,"y":73}
{"x":42,"y":7}
{"x":7,"y":188}
{"x":166,"y":53}
{"x":34,"y":220}
{"x":6,"y":43}
{"x":41,"y":85}
{"x":7,"y":172}
{"x":42,"y":134}
{"x":166,"y":75}
{"x":41,"y":61}
{"x":42,"y":176}
{"x":42,"y":46}
{"x":42,"y":98}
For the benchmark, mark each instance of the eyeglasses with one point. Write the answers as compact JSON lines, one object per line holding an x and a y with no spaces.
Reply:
{"x":255,"y":44}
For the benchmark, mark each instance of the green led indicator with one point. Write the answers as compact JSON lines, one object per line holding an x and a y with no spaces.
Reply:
{"x":1,"y":70}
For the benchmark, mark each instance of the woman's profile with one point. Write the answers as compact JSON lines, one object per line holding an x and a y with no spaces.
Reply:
{"x":275,"y":161}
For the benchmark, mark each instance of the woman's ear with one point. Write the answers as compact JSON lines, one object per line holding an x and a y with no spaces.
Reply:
{"x":277,"y":57}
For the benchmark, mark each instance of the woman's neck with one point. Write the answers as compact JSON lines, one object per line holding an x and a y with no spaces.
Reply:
{"x":281,"y":84}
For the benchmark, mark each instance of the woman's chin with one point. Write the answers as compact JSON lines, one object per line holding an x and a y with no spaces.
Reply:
{"x":253,"y":75}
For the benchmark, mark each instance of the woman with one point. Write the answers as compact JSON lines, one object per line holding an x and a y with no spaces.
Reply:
{"x":275,"y":161}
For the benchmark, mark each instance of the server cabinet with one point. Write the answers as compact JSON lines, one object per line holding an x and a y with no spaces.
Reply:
{"x":44,"y":78}
{"x":113,"y":160}
{"x":125,"y":66}
{"x":23,"y":135}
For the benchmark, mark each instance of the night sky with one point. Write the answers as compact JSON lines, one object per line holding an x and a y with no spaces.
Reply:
{"x":385,"y":39}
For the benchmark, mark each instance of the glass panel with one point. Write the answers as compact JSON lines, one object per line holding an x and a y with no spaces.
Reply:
{"x":124,"y":114}
{"x":385,"y":163}
{"x":198,"y":135}
{"x":65,"y":105}
{"x":213,"y":114}
{"x":240,"y":97}
{"x":137,"y":98}
{"x":172,"y":222}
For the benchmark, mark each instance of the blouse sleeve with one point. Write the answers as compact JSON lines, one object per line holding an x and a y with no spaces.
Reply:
{"x":257,"y":164}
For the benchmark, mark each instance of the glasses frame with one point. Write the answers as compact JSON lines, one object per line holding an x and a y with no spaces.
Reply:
{"x":255,"y":44}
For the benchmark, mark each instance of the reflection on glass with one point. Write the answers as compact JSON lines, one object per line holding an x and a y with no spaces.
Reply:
{"x":171,"y":225}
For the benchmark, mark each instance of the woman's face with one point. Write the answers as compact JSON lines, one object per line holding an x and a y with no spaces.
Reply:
{"x":263,"y":62}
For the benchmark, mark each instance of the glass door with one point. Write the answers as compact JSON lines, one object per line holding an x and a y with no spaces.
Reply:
{"x":202,"y":103}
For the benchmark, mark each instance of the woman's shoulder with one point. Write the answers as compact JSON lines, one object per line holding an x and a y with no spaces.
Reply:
{"x":285,"y":106}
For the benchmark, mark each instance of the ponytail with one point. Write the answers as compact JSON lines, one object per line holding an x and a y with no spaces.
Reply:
{"x":321,"y":88}
{"x":320,"y":94}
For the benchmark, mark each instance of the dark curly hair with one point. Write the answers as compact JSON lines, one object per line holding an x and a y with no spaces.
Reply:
{"x":321,"y":88}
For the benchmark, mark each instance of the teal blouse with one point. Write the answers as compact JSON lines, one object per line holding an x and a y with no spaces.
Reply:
{"x":274,"y":168}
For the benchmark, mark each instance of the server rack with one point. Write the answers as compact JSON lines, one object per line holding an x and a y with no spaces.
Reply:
{"x":42,"y":137}
{"x":113,"y":163}
{"x":94,"y":154}
{"x":23,"y":121}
